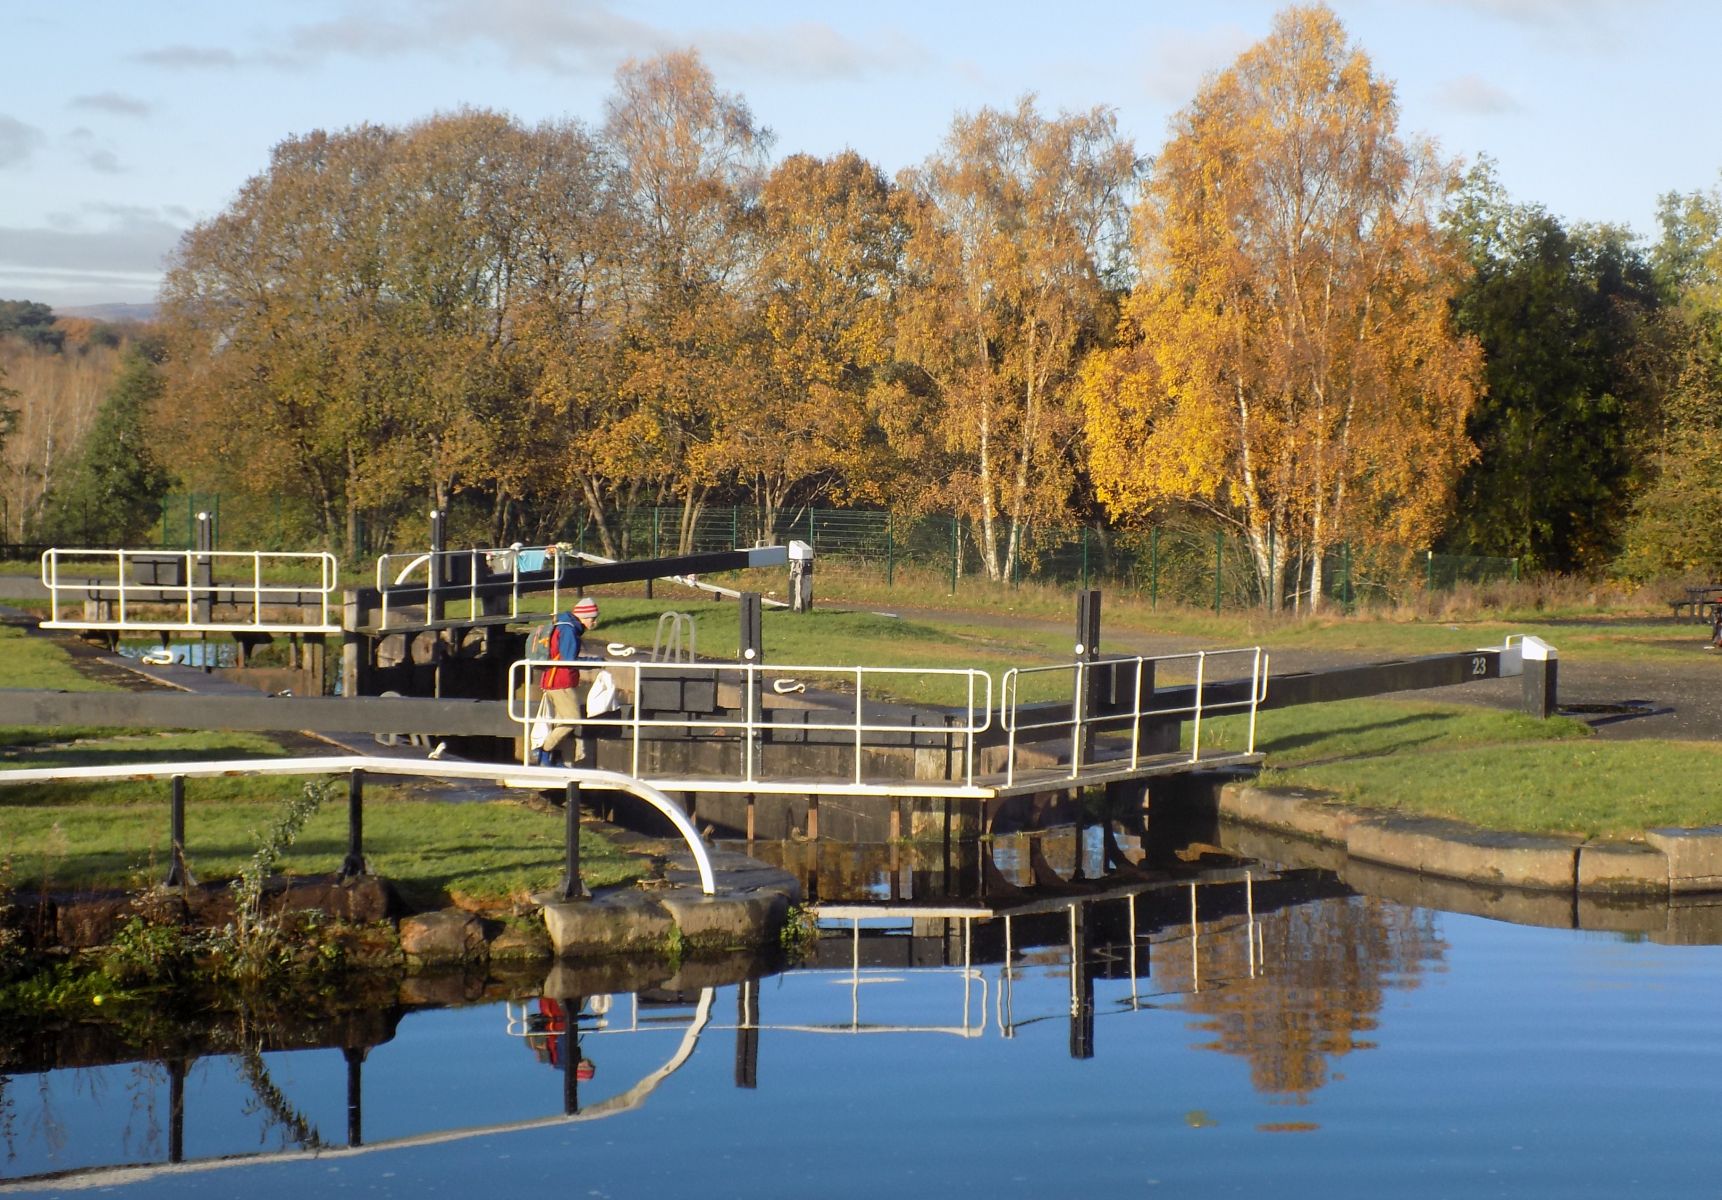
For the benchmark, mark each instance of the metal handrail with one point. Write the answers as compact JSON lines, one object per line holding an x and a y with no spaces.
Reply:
{"x":524,"y":696}
{"x":508,"y":776}
{"x":1078,"y":722}
{"x":111,"y":583}
{"x":498,"y":562}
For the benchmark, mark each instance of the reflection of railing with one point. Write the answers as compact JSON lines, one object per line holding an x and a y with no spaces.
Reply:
{"x":856,"y":685}
{"x":133,"y":588}
{"x":1083,"y":717}
{"x":470,"y":575}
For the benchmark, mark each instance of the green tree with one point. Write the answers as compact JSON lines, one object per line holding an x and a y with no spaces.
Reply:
{"x":113,"y":492}
{"x":31,"y":321}
{"x":1561,"y":432}
{"x":1674,"y":528}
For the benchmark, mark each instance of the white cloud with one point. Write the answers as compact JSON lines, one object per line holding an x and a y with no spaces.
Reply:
{"x":101,"y":251}
{"x":17,"y":140}
{"x":111,"y":102}
{"x":183,"y":57}
{"x":105,"y":161}
{"x":1476,"y":95}
{"x":580,"y":38}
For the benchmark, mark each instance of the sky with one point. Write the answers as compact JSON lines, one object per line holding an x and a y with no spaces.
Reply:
{"x":124,"y":123}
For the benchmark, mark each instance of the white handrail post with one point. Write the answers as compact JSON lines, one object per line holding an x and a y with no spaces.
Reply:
{"x":858,"y":686}
{"x":1196,"y":721}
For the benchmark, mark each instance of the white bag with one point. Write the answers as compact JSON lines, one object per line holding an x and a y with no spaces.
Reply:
{"x":540,"y":725}
{"x":602,"y":698}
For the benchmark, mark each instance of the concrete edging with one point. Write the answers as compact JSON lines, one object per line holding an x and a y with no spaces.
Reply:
{"x":1668,"y":861}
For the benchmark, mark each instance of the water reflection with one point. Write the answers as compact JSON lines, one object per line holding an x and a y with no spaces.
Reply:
{"x":1002,"y":1018}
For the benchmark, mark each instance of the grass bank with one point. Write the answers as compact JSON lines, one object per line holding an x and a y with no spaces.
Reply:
{"x":1499,"y":770}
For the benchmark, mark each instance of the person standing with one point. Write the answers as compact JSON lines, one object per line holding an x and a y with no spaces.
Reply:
{"x":560,"y":684}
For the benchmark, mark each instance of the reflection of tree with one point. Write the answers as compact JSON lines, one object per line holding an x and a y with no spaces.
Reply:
{"x":1319,"y":984}
{"x":271,"y":1100}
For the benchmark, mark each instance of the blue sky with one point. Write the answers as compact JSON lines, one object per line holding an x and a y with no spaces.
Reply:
{"x":122,"y":122}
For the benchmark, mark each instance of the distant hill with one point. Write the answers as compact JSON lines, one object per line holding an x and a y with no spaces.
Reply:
{"x":113,"y":314}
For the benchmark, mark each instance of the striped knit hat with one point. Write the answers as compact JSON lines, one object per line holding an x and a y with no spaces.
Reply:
{"x":586,"y":611}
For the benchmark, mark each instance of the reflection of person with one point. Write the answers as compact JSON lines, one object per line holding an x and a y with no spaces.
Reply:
{"x":560,"y":684}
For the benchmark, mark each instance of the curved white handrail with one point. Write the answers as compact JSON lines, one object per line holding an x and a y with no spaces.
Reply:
{"x":534,"y":777}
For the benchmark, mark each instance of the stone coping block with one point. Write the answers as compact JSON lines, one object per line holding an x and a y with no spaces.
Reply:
{"x":1458,"y":851}
{"x":618,"y":923}
{"x":1622,"y":867}
{"x":1694,"y":857}
{"x":1307,"y":814}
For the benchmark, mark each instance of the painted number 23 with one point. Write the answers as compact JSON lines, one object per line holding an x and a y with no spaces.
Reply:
{"x":1479,"y":665}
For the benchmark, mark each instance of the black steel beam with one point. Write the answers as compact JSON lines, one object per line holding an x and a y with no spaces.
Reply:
{"x":592,"y":574}
{"x":314,"y":714}
{"x":1343,"y":683}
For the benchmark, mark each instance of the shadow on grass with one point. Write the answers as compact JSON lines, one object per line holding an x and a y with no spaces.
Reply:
{"x":1287,"y":743}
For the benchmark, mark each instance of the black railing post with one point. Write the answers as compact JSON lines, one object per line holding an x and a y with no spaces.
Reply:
{"x":178,"y":874}
{"x":571,"y":888}
{"x":355,"y":1057}
{"x":435,"y":604}
{"x":354,"y":864}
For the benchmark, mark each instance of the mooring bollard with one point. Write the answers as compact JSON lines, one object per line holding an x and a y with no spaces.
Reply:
{"x":1542,"y":670}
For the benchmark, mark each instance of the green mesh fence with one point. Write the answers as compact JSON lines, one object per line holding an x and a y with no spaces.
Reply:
{"x":1185,"y":565}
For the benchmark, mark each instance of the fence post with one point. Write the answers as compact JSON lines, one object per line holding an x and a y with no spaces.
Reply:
{"x":1154,"y":567}
{"x":1219,"y":564}
{"x":1429,"y":571}
{"x":956,"y":549}
{"x":810,"y":540}
{"x":890,"y":561}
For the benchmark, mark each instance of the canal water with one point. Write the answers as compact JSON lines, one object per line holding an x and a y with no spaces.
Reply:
{"x":1244,"y":1030}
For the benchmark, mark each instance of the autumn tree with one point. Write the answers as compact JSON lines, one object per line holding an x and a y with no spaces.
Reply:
{"x":1288,"y":360}
{"x":1003,"y":296}
{"x":689,"y":158}
{"x":830,"y":236}
{"x":279,"y":354}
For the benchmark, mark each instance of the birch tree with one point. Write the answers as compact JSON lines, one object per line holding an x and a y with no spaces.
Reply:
{"x":1288,"y":360}
{"x":1004,"y":295}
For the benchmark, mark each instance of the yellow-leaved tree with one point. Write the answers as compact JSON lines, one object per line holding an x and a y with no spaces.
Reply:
{"x":1287,"y":360}
{"x":1005,"y":294}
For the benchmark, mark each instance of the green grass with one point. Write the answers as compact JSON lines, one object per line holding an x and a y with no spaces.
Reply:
{"x":116,"y":834}
{"x":1500,"y":770}
{"x":434,"y":852}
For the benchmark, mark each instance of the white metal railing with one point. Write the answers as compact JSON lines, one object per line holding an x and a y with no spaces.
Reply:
{"x":1075,"y":722}
{"x":748,"y":681}
{"x":512,"y":776}
{"x":202,"y":591}
{"x":485,"y":570}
